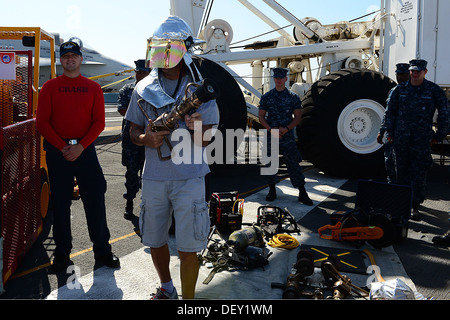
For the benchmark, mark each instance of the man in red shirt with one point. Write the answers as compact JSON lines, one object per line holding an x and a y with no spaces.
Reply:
{"x":70,"y":116}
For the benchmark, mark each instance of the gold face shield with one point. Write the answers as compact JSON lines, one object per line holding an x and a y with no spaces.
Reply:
{"x":165,"y":53}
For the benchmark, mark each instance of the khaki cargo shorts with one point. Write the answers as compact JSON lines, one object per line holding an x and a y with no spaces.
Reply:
{"x":186,"y":199}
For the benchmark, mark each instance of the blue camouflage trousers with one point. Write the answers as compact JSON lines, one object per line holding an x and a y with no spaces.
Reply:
{"x":413,"y":163}
{"x":389,"y":163}
{"x":292,"y":158}
{"x":133,"y":158}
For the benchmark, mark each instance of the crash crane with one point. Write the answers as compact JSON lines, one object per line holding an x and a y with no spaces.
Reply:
{"x":344,"y":101}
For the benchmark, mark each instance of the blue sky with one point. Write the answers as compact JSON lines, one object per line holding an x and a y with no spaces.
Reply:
{"x":119,"y":29}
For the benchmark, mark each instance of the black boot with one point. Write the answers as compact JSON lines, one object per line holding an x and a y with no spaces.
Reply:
{"x":128,"y":215}
{"x":110,"y":260}
{"x":443,"y":240}
{"x":61,"y":262}
{"x":415,"y":214}
{"x":303,"y":196}
{"x":272,"y":195}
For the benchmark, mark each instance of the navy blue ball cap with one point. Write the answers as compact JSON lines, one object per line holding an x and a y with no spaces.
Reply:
{"x":69,"y":46}
{"x":418,"y":64}
{"x":140,"y":65}
{"x":279,"y":72}
{"x":402,"y":68}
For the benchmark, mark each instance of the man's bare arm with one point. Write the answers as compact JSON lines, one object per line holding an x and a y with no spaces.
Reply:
{"x":146,"y":137}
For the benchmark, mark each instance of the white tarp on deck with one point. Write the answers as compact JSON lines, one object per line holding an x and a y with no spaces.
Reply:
{"x":137,"y":278}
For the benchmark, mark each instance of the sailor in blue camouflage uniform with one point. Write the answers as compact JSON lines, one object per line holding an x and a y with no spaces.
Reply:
{"x":133,"y":156}
{"x":284,"y":110}
{"x":402,"y":75}
{"x":409,"y":120}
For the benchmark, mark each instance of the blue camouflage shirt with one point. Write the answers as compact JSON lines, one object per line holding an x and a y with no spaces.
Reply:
{"x":410,"y":111}
{"x":125,"y":96}
{"x":280,"y":106}
{"x":122,"y":103}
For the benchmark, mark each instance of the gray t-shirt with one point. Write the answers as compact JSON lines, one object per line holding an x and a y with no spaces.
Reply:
{"x":187,"y":160}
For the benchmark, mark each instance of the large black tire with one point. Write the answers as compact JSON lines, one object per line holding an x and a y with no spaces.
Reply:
{"x":231,"y":102}
{"x":353,"y":100}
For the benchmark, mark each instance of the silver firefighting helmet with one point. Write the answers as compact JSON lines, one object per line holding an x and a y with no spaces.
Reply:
{"x":170,"y":43}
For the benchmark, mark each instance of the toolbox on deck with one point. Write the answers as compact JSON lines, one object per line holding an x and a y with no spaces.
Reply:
{"x":381,"y":215}
{"x":393,"y":199}
{"x":225,"y":211}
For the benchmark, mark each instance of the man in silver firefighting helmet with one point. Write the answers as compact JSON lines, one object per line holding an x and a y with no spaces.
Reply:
{"x":170,"y":43}
{"x":176,"y":185}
